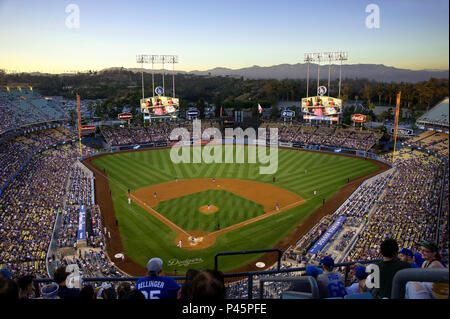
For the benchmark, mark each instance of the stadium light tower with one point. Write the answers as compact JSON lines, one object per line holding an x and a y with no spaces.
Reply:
{"x":142,"y":58}
{"x":170,"y":59}
{"x":318,"y":57}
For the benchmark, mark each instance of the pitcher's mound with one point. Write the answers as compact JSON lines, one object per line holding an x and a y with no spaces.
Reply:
{"x":205,"y":210}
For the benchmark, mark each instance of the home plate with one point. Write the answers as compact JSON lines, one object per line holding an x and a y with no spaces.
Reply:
{"x":260,"y":264}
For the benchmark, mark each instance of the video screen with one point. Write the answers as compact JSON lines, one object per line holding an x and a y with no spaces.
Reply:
{"x":321,"y":106}
{"x":159,"y":105}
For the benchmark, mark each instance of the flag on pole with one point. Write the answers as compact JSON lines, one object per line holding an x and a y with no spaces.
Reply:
{"x":397,"y":111}
{"x":260,"y":109}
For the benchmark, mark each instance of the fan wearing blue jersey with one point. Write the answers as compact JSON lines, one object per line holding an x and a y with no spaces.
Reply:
{"x":330,"y":283}
{"x":155,"y":286}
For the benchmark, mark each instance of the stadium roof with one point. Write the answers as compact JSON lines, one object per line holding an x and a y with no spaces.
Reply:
{"x":438,"y":115}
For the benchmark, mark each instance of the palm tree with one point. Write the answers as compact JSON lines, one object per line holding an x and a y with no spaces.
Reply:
{"x":380,"y":92}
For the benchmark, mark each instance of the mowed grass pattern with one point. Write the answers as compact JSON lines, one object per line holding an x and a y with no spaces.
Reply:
{"x":233,"y":209}
{"x":144,"y":236}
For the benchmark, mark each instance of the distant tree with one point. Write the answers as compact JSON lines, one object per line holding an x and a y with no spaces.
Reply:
{"x":218,"y":103}
{"x":383,"y":115}
{"x":201,"y":107}
{"x":274,"y":112}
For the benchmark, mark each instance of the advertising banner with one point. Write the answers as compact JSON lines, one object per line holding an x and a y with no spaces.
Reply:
{"x":323,"y":240}
{"x":125,"y":116}
{"x":358,"y":118}
{"x":285,"y":144}
{"x":81,"y":231}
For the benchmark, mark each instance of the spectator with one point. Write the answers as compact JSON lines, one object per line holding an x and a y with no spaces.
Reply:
{"x":186,"y":288}
{"x":106,"y":291}
{"x":26,"y":287}
{"x":87,"y":293}
{"x":428,"y":290}
{"x":389,"y":267}
{"x":418,"y":259}
{"x":155,"y":286}
{"x":407,"y":255}
{"x":5,"y":273}
{"x":64,"y":292}
{"x":208,"y":285}
{"x":330,"y":283}
{"x":313,"y":271}
{"x":123,"y":289}
{"x":8,"y":289}
{"x":359,"y":286}
{"x":134,"y":294}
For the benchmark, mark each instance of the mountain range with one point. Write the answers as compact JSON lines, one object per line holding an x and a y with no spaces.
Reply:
{"x":377,"y":72}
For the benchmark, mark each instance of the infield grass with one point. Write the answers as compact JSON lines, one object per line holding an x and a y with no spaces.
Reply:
{"x":144,"y":236}
{"x":184,"y":210}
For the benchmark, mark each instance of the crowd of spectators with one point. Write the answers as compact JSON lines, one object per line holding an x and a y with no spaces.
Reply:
{"x":318,"y":135}
{"x":28,"y":208}
{"x":409,"y":210}
{"x":325,"y":135}
{"x":23,"y":106}
{"x":157,"y":132}
{"x":15,"y":153}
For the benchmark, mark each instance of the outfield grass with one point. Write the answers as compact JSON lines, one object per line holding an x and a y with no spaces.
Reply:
{"x":144,"y":236}
{"x":184,"y":210}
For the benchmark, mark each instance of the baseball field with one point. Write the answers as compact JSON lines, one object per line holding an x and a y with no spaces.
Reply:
{"x":186,"y":213}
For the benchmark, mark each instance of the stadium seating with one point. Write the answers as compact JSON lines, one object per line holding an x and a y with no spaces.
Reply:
{"x":24,"y":107}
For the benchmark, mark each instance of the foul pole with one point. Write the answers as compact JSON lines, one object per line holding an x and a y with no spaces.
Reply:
{"x":79,"y":123}
{"x":397,"y":111}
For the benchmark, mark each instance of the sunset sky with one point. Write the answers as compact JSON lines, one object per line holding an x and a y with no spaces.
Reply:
{"x":209,"y":33}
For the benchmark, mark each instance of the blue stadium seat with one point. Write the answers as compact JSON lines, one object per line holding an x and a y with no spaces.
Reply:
{"x":363,"y":295}
{"x":334,"y":298}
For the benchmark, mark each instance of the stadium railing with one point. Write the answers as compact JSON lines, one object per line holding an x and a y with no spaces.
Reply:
{"x":250,"y":275}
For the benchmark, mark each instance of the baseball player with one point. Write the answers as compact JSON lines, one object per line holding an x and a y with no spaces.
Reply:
{"x":154,"y":195}
{"x":213,"y":179}
{"x":129,"y":200}
{"x":315,"y":192}
{"x":209,"y":205}
{"x":277,"y":207}
{"x":179,"y":243}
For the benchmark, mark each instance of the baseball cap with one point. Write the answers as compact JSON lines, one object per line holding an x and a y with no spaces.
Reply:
{"x":360,"y":272}
{"x":50,"y":291}
{"x":429,"y":245}
{"x":154,"y":265}
{"x":327,"y":261}
{"x":313,"y":270}
{"x":60,"y":274}
{"x":406,"y":252}
{"x":6,"y":273}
